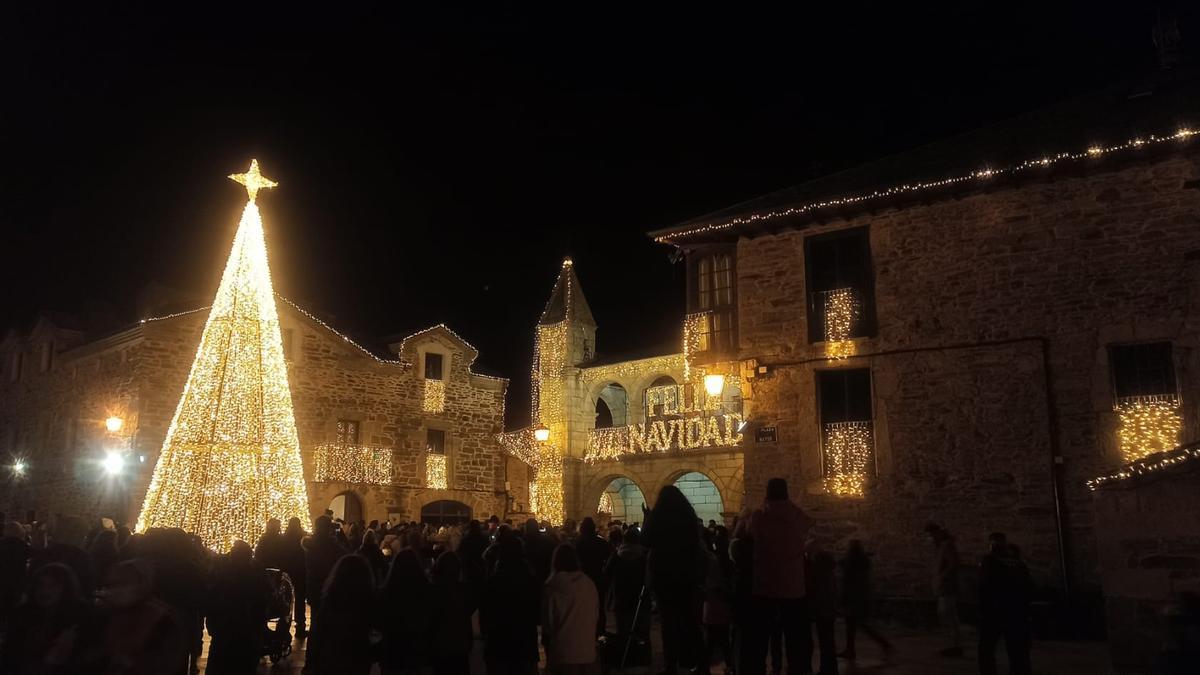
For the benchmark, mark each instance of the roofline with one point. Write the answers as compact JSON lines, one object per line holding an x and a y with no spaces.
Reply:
{"x":701,"y":226}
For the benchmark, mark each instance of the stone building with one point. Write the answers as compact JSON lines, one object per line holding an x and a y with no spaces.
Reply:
{"x":967,"y":332}
{"x":407,"y":434}
{"x":619,"y":429}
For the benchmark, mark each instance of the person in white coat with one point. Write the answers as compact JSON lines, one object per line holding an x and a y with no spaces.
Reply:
{"x":570,"y":605}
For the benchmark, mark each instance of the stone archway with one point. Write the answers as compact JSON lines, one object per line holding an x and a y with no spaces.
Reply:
{"x":347,"y":506}
{"x":703,"y":494}
{"x":620,"y":494}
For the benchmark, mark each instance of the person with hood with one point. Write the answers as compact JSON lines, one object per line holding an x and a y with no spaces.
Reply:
{"x":404,"y":616}
{"x":291,"y":551}
{"x":677,"y":562}
{"x":340,"y":642}
{"x":237,"y":614}
{"x":370,"y":550}
{"x":452,"y":609}
{"x":44,"y":638}
{"x":321,"y":553}
{"x":1005,"y":590}
{"x":945,"y":585}
{"x":508,"y":614}
{"x":569,"y":606}
{"x":779,"y":530}
{"x":594,"y":552}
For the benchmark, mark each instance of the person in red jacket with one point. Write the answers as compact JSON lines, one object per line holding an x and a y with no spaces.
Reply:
{"x":779,"y":529}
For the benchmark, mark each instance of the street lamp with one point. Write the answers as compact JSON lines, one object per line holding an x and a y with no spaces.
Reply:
{"x":19,"y":467}
{"x":114,"y":424}
{"x":714,"y":384}
{"x":113,"y":463}
{"x":541,"y":434}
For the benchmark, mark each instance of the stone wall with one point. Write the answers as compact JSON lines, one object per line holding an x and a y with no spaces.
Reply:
{"x":55,"y":419}
{"x":1149,"y":551}
{"x":977,"y":299}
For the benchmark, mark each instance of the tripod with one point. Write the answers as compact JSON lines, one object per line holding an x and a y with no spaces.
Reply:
{"x":633,"y":627}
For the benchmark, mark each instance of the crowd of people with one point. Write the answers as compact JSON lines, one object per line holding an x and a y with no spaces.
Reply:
{"x":406,"y":596}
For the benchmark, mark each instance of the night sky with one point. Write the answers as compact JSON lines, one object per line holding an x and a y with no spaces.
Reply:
{"x":435,"y":164}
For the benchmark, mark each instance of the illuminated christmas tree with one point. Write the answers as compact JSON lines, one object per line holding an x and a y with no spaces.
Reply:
{"x":231,"y":458}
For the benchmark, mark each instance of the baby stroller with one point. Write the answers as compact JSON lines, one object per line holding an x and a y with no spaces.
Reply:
{"x":277,"y":642}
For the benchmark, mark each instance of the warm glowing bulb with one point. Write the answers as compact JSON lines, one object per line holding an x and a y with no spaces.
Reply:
{"x":541,"y":434}
{"x":113,"y":463}
{"x":114,"y":424}
{"x":714,"y":384}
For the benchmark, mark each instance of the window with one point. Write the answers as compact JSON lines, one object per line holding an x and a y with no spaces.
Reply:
{"x":435,"y":441}
{"x":433,"y":366}
{"x":288,"y":336}
{"x":841,"y":298}
{"x":847,"y":436}
{"x":347,"y":432}
{"x":1142,"y":370}
{"x":713,"y":295}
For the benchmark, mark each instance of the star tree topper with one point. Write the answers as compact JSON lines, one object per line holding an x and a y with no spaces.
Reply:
{"x":253,"y":180}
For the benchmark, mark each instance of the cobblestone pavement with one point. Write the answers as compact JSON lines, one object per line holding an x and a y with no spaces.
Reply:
{"x":915,"y":654}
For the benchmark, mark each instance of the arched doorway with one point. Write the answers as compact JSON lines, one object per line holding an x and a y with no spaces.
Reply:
{"x":624,"y":499}
{"x":347,"y":507}
{"x":612,"y":407}
{"x":445,"y":512}
{"x":704,"y":496}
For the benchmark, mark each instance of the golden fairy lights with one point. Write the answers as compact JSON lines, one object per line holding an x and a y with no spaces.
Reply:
{"x":688,"y":433}
{"x":338,"y":462}
{"x":1148,"y":424}
{"x":848,"y":450}
{"x":434,"y":400}
{"x":435,"y":471}
{"x":1091,"y":152}
{"x":1159,"y":462}
{"x":841,"y":313}
{"x":693,"y":331}
{"x":605,"y":506}
{"x":231,"y":457}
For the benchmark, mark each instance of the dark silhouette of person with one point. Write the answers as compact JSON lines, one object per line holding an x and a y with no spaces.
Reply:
{"x":405,"y":617}
{"x":137,"y":634}
{"x":594,"y":552}
{"x":292,"y":562}
{"x":180,"y":579}
{"x":821,"y":587}
{"x":1005,"y":590}
{"x":237,"y":613}
{"x":452,"y":609}
{"x":509,"y":614}
{"x":104,"y":552}
{"x":44,"y":638}
{"x":677,"y":570}
{"x":470,"y":553}
{"x":856,"y":600}
{"x":370,"y":550}
{"x":946,"y":585}
{"x":339,"y":642}
{"x":268,"y":552}
{"x":626,"y":571}
{"x":321,"y":553}
{"x":538,"y":549}
{"x":14,"y":562}
{"x":779,"y":529}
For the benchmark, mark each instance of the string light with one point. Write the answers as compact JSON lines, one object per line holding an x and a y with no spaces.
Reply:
{"x":339,"y":462}
{"x":172,"y":316}
{"x":1148,"y":465}
{"x":841,"y":313}
{"x":435,"y":396}
{"x":533,"y":496}
{"x":985,"y":173}
{"x":848,"y":449}
{"x":638,"y":368}
{"x":606,"y":505}
{"x":231,"y":457}
{"x":435,"y":471}
{"x":1148,"y":424}
{"x":693,"y":330}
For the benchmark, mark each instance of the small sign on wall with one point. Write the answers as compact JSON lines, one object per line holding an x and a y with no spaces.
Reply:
{"x":765,"y":435}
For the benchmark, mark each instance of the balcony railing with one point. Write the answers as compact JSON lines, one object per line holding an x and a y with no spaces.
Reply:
{"x":338,"y":462}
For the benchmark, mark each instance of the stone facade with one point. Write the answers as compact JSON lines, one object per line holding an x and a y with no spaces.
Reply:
{"x":989,"y":359}
{"x":1149,"y":551}
{"x":54,"y":418}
